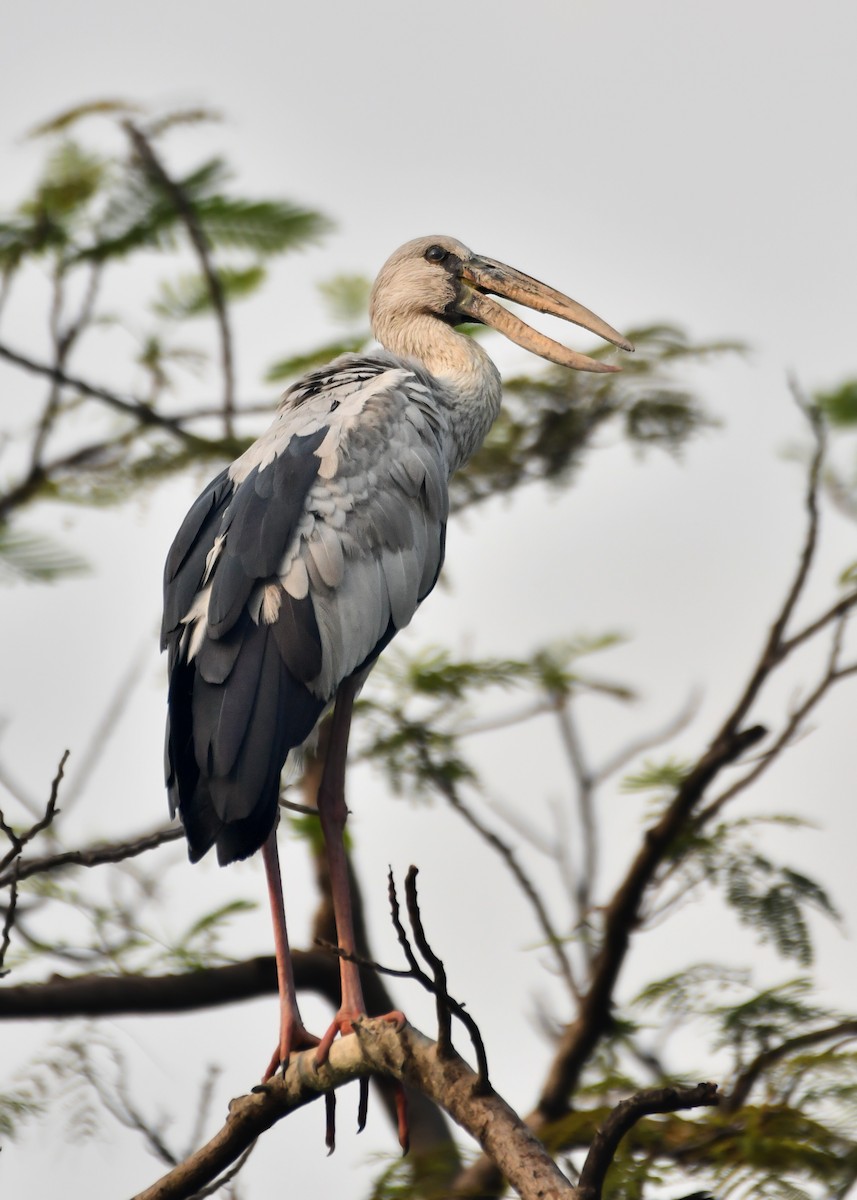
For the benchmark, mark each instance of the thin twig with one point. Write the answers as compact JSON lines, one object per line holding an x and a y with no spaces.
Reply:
{"x":444,"y":1019}
{"x":127,"y":1114}
{"x":156,"y":171}
{"x":833,"y":674}
{"x":130,"y":406}
{"x":112,"y":713}
{"x":649,"y":741}
{"x":437,"y":987}
{"x":587,"y":863}
{"x":766,"y":1059}
{"x":449,"y":791}
{"x":19,"y":840}
{"x":94,"y":856}
{"x":227,"y":1177}
{"x":203,"y":1108}
{"x":8,"y":922}
{"x":777,"y":647}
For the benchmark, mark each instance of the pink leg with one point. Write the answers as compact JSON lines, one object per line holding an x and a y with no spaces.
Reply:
{"x":333,"y":813}
{"x":293,"y":1035}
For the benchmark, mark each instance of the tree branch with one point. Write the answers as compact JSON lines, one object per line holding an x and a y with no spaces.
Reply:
{"x":117,"y":995}
{"x":19,"y":840}
{"x":94,"y":856}
{"x":377,"y":1048}
{"x":450,"y":792}
{"x":766,"y":1059}
{"x":832,"y":674}
{"x":8,"y":922}
{"x":130,"y":406}
{"x":621,"y":917}
{"x":777,"y":647}
{"x":156,"y":171}
{"x":624,"y":1116}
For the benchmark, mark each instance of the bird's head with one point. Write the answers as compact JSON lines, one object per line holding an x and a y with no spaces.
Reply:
{"x":441,"y":278}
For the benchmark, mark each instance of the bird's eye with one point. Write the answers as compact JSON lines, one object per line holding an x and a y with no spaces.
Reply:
{"x":436,"y":254}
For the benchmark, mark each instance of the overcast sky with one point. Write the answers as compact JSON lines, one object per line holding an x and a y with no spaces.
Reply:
{"x":666,"y":160}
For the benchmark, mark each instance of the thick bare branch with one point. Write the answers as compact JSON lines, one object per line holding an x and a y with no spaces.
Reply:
{"x":115,"y":995}
{"x":377,"y":1048}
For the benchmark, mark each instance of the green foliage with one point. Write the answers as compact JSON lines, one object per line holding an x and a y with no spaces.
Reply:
{"x":107,"y":933}
{"x":848,"y":578}
{"x":547,"y":423}
{"x":260,"y":227}
{"x":657,"y":776}
{"x":435,"y":673}
{"x":190,"y":295}
{"x":434,"y":1169}
{"x":769,"y":1016}
{"x":63,"y":121}
{"x":772,"y":900}
{"x":554,"y":669}
{"x":90,"y":212}
{"x":840,"y":405}
{"x":691,"y":990}
{"x":307,"y":827}
{"x":346,"y":297}
{"x":18,"y":1105}
{"x":31,"y":558}
{"x":296,"y":364}
{"x":419,"y":707}
{"x":197,"y":946}
{"x":778,"y":1152}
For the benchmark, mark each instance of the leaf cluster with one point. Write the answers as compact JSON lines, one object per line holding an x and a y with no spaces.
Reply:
{"x":548,"y":422}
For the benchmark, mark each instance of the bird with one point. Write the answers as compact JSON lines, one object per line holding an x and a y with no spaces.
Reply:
{"x":300,"y":562}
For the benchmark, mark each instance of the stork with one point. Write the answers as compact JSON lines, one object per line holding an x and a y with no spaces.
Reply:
{"x":301,"y":560}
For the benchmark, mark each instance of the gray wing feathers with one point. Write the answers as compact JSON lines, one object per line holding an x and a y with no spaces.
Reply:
{"x":376,"y":544}
{"x":293,"y":570}
{"x":325,"y":548}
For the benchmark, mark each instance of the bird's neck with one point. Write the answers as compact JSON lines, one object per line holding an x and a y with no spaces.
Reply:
{"x":465,"y":370}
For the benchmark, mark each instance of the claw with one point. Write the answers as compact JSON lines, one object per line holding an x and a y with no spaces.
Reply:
{"x":330,"y":1122}
{"x":363,"y":1105}
{"x":295,"y":1038}
{"x":404,"y":1129}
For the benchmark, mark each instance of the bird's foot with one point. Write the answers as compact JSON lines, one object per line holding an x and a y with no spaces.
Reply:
{"x":294,"y":1038}
{"x":342,"y":1023}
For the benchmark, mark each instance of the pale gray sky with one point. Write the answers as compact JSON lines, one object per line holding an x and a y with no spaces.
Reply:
{"x":663,"y":160}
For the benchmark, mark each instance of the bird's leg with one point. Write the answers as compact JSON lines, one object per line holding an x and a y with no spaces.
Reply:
{"x":333,"y":814}
{"x":293,"y":1035}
